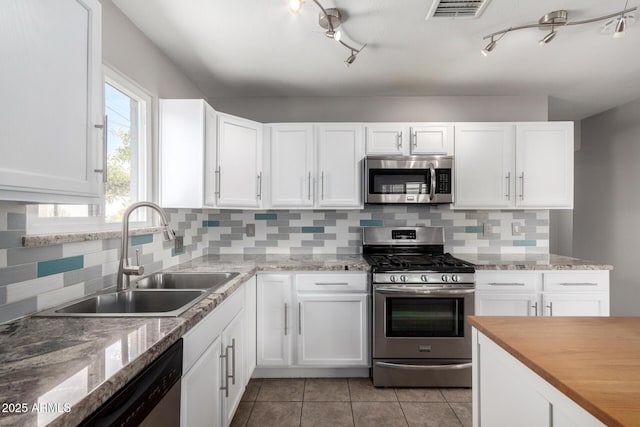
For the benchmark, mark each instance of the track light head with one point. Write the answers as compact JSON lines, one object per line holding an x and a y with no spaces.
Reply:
{"x":350,"y":60}
{"x":620,"y":28}
{"x":547,"y":39}
{"x":295,"y":6}
{"x":487,"y":50}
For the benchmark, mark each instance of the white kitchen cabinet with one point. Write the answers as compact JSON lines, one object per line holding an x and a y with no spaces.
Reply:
{"x":339,"y":164}
{"x":51,"y":109}
{"x":544,"y":165}
{"x":542,"y":293}
{"x":514,"y":165}
{"x":508,"y":393}
{"x":402,"y":139}
{"x":187,"y":153}
{"x":213,"y":359}
{"x":239,"y":170}
{"x":484,"y":165}
{"x":274,"y":312}
{"x":332,"y":329}
{"x":292,"y":166}
{"x":322,"y":316}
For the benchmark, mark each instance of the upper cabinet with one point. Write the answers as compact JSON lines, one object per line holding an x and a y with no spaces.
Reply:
{"x":315,"y":166}
{"x":240,"y":181}
{"x":402,"y":139}
{"x":187,"y":153}
{"x":51,"y":114}
{"x":514,"y":165}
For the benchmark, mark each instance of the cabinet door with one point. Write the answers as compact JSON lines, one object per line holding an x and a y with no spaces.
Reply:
{"x":200,"y":402}
{"x":387,"y":139}
{"x":484,"y":166}
{"x":274,"y":323}
{"x":432,"y":139}
{"x":332,"y":330}
{"x":52,"y":101}
{"x":233,"y":373}
{"x":239,"y":162}
{"x":576,"y":304}
{"x":182,"y":150}
{"x":513,"y":304}
{"x":210,"y":156}
{"x":291,"y":165}
{"x":340,"y":152}
{"x":544,"y":165}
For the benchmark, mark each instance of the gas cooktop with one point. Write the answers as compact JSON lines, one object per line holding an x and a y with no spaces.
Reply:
{"x":444,"y":263}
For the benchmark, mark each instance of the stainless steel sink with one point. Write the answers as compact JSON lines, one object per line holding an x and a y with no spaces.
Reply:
{"x":185,"y":280}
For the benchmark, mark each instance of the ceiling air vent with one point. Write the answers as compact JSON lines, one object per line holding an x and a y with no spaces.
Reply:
{"x":451,"y":9}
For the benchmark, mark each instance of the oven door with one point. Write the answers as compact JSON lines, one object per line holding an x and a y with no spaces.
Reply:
{"x":419,"y":324}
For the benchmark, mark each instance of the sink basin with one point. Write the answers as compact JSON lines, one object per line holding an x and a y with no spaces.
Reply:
{"x":184,"y":280}
{"x":131,"y":303}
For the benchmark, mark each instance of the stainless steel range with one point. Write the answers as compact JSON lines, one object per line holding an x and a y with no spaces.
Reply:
{"x":421,"y":297}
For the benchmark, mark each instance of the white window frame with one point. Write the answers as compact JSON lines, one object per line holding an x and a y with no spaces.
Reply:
{"x":111,"y":76}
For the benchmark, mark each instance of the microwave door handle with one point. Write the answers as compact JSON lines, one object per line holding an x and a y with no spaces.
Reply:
{"x":432,"y":172}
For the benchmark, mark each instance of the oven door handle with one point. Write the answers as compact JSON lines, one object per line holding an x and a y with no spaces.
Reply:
{"x":406,"y":291}
{"x":424,"y":367}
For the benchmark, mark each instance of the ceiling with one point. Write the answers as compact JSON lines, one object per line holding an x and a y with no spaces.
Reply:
{"x":258,"y":48}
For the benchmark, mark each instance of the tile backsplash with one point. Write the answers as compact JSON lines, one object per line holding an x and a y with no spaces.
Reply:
{"x":35,"y":278}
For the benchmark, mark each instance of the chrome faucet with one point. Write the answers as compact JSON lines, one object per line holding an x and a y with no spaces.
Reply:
{"x":125,"y":270}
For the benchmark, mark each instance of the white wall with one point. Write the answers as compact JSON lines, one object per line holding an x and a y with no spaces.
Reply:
{"x":606,"y":219}
{"x":386,"y":108}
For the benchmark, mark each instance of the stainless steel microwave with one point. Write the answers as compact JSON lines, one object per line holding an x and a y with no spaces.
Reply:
{"x":408,"y":179}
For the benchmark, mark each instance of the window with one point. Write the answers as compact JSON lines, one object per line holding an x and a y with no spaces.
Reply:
{"x":128,"y":127}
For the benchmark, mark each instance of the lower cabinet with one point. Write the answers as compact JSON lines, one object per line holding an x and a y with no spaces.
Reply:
{"x":313,"y":320}
{"x":214,"y":366}
{"x":542,"y":293}
{"x":507,"y":393}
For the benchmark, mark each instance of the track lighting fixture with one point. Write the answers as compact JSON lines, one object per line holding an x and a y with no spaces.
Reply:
{"x":329,"y":20}
{"x":560,"y":18}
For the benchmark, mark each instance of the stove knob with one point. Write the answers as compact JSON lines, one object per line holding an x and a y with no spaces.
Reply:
{"x":445,"y":278}
{"x":455,"y":278}
{"x":424,"y":278}
{"x":403,"y":278}
{"x":393,"y":278}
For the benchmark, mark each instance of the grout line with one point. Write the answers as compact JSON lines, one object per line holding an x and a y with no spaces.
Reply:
{"x":455,"y":414}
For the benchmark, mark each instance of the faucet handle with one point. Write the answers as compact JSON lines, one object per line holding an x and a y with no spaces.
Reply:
{"x":137,"y":269}
{"x":137,"y":256}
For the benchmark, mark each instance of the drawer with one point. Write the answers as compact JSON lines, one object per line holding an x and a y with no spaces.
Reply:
{"x":592,"y":281}
{"x":332,"y":282}
{"x":507,"y":281}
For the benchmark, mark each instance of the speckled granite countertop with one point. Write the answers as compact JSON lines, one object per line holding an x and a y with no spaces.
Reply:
{"x":79,"y":363}
{"x":530,"y":262}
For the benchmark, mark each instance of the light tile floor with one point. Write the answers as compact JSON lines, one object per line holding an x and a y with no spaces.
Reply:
{"x":336,"y":402}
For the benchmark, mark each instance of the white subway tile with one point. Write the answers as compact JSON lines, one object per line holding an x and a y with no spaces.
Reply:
{"x":30,"y":288}
{"x":60,"y":296}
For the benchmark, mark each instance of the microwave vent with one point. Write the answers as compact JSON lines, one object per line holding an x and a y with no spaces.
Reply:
{"x":455,"y":9}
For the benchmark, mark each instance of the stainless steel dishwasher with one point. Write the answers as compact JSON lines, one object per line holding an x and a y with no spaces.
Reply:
{"x":152,"y":398}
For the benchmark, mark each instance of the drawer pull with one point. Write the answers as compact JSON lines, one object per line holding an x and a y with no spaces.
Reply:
{"x":331,"y":284}
{"x":507,"y":284}
{"x":578,"y":284}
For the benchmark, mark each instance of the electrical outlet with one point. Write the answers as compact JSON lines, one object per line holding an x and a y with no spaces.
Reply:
{"x":178,"y":244}
{"x":250,"y":230}
{"x":516,"y":228}
{"x":487,"y":229}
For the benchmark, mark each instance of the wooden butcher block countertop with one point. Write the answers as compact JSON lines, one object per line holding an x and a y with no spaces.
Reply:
{"x":595,"y":361}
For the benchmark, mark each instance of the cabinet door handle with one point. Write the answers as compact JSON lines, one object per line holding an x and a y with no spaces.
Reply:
{"x":400,"y":140}
{"x":233,"y":361}
{"x":225,"y":387}
{"x":432,"y":191}
{"x":535,"y":308}
{"x":331,"y":284}
{"x":259,"y":193}
{"x":521,"y":186}
{"x":309,"y":186}
{"x":322,"y":186}
{"x":550,"y":307}
{"x":104,"y":128}
{"x":299,"y":318}
{"x":286,"y":309}
{"x":507,"y":284}
{"x":217,"y":172}
{"x":415,"y":139}
{"x":578,"y":284}
{"x":508,"y":178}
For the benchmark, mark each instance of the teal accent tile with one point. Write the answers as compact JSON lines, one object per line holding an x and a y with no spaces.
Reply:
{"x":266,"y":216}
{"x":371,"y":223}
{"x":141,"y":239}
{"x":174,"y":253}
{"x":312,"y":229}
{"x":524,"y":243}
{"x":474,"y":229}
{"x":47,"y":268}
{"x":211,"y":223}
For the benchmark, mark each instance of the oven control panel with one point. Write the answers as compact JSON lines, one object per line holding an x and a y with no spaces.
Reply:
{"x":425,"y":278}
